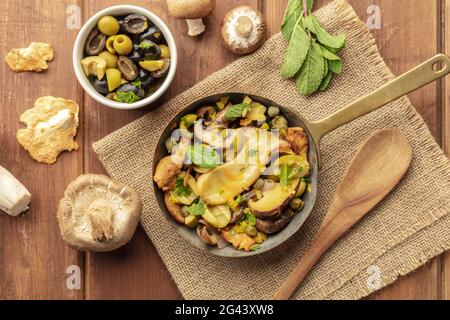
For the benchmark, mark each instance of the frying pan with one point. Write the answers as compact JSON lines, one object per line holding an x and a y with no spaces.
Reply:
{"x":421,"y":75}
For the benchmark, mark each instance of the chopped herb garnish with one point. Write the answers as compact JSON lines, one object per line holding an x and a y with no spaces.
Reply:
{"x":127,"y":97}
{"x":136,"y":83}
{"x":248,"y":219}
{"x":197,"y":209}
{"x":180,"y":190}
{"x":235,"y":111}
{"x":255,"y":247}
{"x":145,"y":45}
{"x":203,"y":156}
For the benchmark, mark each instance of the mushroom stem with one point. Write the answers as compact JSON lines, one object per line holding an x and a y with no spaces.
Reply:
{"x":101,"y":217}
{"x":196,"y":27}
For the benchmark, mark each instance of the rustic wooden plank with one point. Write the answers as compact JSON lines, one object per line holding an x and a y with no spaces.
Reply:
{"x":33,"y":257}
{"x":136,"y":271}
{"x":405,"y":23}
{"x":445,"y":7}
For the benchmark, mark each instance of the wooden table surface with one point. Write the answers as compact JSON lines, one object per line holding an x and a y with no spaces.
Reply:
{"x":33,"y":257}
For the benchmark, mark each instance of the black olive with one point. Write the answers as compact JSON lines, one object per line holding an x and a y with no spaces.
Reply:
{"x":147,"y":82}
{"x":161,"y":73}
{"x":153,"y":34}
{"x":126,"y":87}
{"x":127,"y":68}
{"x":135,"y":55}
{"x":95,"y":43}
{"x":99,"y":85}
{"x":143,"y":74}
{"x":135,"y":23}
{"x":149,"y":50}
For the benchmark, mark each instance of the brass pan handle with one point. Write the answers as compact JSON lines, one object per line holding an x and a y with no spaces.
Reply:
{"x":416,"y":78}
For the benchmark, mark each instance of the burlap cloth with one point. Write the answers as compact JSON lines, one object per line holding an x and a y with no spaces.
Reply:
{"x":404,"y":231}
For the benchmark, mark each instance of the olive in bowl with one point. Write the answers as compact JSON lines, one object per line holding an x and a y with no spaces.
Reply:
{"x":125,"y":57}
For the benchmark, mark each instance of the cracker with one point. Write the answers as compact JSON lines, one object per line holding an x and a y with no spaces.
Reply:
{"x":51,"y":127}
{"x":32,"y":58}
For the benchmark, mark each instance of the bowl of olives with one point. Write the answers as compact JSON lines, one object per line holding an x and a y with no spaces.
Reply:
{"x":125,"y":57}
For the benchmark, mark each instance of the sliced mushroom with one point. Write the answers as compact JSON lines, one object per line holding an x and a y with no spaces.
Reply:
{"x":207,"y":113}
{"x":243,"y":30}
{"x":98,"y":213}
{"x":276,"y":225}
{"x":237,"y":216}
{"x":173,"y":208}
{"x":166,"y":173}
{"x":193,"y":11}
{"x":127,"y":68}
{"x":135,"y":23}
{"x":95,"y":43}
{"x":207,"y":235}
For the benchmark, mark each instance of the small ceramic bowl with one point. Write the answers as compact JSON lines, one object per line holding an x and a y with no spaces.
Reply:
{"x":78,"y":51}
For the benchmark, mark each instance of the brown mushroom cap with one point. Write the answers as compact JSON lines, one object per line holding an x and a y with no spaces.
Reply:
{"x":190,"y":9}
{"x":98,"y":213}
{"x":243,"y":30}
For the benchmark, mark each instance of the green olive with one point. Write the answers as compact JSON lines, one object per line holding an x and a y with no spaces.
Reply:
{"x":113,"y":77}
{"x":251,"y":231}
{"x":165,"y":52}
{"x":108,"y":25}
{"x":123,"y":44}
{"x":110,"y":45}
{"x":152,"y":65}
{"x":296,"y":204}
{"x":258,"y":184}
{"x":111,"y":59}
{"x":273,"y":112}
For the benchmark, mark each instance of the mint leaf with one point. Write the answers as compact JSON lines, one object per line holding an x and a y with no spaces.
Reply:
{"x":127,"y":97}
{"x":285,"y":172}
{"x":328,"y":55}
{"x":294,"y":11}
{"x":180,"y":190}
{"x":312,"y":71}
{"x":335,"y":66}
{"x":235,"y":111}
{"x":326,"y":81}
{"x":197,"y":209}
{"x":297,"y":51}
{"x":203,"y":156}
{"x":325,"y":67}
{"x":323,"y":36}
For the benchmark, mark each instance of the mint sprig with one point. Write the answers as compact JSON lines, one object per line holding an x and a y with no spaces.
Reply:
{"x":197,"y":209}
{"x":311,"y":55}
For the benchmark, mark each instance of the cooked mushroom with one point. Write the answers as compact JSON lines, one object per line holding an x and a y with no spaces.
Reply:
{"x":207,"y":235}
{"x":166,"y":173}
{"x":95,"y":43}
{"x":276,"y":225}
{"x":298,"y":140}
{"x":243,"y":30}
{"x":98,"y":213}
{"x":193,"y":11}
{"x":173,"y":208}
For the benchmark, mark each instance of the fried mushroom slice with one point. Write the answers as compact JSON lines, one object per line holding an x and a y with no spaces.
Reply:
{"x":173,"y":208}
{"x":275,"y":225}
{"x":298,"y":140}
{"x":166,"y":173}
{"x":98,"y":213}
{"x":207,"y":235}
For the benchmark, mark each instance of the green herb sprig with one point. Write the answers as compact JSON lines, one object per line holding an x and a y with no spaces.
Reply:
{"x":311,"y":56}
{"x":197,"y":209}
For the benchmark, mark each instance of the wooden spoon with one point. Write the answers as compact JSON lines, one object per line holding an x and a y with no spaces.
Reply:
{"x":378,"y":166}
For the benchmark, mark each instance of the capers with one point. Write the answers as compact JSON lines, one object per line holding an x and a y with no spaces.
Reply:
{"x":108,"y":25}
{"x":113,"y":76}
{"x":279,"y":122}
{"x":128,"y":68}
{"x":251,"y":231}
{"x":122,"y":44}
{"x":111,"y":59}
{"x":135,"y":23}
{"x":95,"y":43}
{"x":273,"y":111}
{"x":296,"y":204}
{"x":259,"y":184}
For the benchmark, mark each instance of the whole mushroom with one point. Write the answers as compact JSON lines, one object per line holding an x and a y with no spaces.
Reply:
{"x":98,"y":213}
{"x":193,"y":11}
{"x":243,"y":30}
